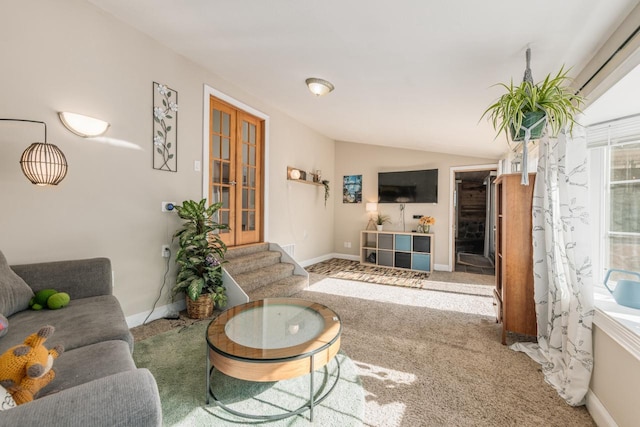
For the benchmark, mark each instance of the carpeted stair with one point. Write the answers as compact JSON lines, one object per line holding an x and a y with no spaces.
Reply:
{"x":261,"y":274}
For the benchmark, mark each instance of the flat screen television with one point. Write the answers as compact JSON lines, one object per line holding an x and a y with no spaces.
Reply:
{"x":408,"y":186}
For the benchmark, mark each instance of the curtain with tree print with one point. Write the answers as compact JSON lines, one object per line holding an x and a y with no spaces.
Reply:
{"x":562,"y":267}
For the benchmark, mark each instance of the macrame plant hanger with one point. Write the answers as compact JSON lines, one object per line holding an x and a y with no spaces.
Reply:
{"x":527,"y":130}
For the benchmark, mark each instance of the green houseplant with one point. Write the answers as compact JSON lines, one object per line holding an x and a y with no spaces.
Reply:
{"x":200,"y":258}
{"x":534,"y":106}
{"x":380,"y":220}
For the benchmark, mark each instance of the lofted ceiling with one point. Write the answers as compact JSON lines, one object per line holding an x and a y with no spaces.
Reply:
{"x":413,"y":73}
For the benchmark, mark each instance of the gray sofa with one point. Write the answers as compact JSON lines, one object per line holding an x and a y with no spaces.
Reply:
{"x":97,"y":382}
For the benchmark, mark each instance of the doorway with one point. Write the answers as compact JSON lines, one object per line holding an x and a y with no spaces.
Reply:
{"x":473,"y":240}
{"x":235,"y":166}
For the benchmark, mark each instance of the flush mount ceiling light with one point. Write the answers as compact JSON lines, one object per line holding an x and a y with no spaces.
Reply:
{"x":319,"y":87}
{"x":84,"y":126}
{"x":42,"y":163}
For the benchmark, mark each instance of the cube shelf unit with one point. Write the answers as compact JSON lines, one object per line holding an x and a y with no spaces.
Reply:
{"x":394,"y":249}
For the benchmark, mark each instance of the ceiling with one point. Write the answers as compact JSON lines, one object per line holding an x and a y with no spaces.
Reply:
{"x":414,"y":73}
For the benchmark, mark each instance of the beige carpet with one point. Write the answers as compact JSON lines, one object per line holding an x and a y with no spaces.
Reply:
{"x":431,"y":358}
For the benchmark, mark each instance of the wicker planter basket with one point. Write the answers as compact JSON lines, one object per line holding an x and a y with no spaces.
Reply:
{"x":200,"y":308}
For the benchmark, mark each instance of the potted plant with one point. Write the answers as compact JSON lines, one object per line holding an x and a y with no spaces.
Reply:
{"x":380,"y":220}
{"x":534,"y":106}
{"x":200,"y":258}
{"x":325,"y":183}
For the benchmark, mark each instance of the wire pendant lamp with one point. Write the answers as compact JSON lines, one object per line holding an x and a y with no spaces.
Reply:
{"x":43,"y":164}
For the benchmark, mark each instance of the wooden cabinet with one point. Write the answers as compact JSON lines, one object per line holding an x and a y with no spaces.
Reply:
{"x":406,"y":250}
{"x":513,"y":295}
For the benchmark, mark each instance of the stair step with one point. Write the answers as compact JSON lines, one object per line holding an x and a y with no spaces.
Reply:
{"x":263,"y":276}
{"x":253,"y":261}
{"x":280,"y":289}
{"x":240,"y":251}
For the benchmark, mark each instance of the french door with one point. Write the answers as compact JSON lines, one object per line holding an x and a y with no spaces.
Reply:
{"x":236,"y":171}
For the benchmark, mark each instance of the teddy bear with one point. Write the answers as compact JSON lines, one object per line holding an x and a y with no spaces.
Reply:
{"x":26,"y":368}
{"x":49,"y":298}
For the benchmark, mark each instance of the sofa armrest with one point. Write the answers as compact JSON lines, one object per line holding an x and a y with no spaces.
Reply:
{"x":79,"y":278}
{"x":125,"y":399}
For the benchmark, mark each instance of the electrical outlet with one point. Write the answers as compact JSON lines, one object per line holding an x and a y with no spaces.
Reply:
{"x":166,"y":252}
{"x":345,"y":244}
{"x":168,"y":206}
{"x":417,"y":216}
{"x":348,"y":244}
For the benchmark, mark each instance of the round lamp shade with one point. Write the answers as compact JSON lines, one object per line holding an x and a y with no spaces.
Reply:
{"x":43,"y":164}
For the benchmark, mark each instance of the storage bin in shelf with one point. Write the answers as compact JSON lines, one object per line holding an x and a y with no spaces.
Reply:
{"x":385,"y":258}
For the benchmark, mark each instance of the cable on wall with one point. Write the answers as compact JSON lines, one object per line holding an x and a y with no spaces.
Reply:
{"x":164,"y":282}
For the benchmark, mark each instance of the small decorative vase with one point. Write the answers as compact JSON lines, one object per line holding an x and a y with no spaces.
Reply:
{"x":423,"y":228}
{"x":379,"y":227}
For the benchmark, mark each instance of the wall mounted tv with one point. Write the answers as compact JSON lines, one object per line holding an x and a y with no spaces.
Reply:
{"x":408,"y":186}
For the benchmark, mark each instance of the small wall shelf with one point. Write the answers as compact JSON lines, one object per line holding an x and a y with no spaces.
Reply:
{"x":295,"y":174}
{"x":392,"y":249}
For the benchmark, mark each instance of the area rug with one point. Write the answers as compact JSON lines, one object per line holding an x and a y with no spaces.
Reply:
{"x":177,"y":361}
{"x":352,"y":270}
{"x":474,"y":260}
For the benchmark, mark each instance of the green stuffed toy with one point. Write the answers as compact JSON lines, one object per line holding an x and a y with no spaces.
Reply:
{"x":49,"y":298}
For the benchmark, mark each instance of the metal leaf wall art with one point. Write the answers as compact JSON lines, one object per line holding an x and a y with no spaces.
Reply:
{"x":165,"y":128}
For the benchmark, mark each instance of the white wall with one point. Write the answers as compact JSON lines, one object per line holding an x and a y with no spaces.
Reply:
{"x":368,"y":160}
{"x":614,"y":381}
{"x":68,"y":55}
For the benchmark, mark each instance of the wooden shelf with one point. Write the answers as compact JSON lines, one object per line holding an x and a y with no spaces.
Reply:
{"x":304,"y":176}
{"x":306,"y":182}
{"x":399,"y":250}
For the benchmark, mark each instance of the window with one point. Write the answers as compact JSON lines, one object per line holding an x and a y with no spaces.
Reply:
{"x":615,"y":192}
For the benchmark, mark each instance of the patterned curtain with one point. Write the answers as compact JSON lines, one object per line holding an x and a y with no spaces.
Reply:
{"x":562,"y":267}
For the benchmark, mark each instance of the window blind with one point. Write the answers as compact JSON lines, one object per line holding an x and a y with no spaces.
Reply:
{"x":614,"y":132}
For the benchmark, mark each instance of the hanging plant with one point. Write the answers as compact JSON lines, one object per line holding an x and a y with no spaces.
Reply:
{"x":527,"y":110}
{"x":531,"y":107}
{"x":326,"y":191}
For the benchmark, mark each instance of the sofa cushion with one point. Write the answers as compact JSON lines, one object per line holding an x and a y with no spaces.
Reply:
{"x":89,"y":363}
{"x":14,"y":292}
{"x":83,"y":322}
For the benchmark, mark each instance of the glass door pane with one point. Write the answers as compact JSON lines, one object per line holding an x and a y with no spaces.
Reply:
{"x":248,"y":176}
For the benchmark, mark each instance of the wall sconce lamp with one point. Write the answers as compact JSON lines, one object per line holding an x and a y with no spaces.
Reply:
{"x":84,"y":126}
{"x":371,"y":208}
{"x":319,"y":87}
{"x":42,"y":163}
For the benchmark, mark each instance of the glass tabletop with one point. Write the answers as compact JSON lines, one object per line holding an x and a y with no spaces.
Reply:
{"x":273,"y":328}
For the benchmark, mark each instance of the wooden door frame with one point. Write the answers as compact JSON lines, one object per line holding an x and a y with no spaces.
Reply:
{"x":208,"y":93}
{"x":452,"y":208}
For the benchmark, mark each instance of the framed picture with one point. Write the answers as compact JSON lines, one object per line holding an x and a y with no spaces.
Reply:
{"x":165,"y":128}
{"x":352,"y":189}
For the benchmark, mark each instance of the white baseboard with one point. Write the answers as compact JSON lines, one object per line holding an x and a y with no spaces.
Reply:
{"x":346,"y":256}
{"x":158,"y":313}
{"x":326,"y":257}
{"x":598,"y":412}
{"x":442,"y":267}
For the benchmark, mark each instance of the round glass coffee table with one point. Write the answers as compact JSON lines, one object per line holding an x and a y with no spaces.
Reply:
{"x":271,"y":340}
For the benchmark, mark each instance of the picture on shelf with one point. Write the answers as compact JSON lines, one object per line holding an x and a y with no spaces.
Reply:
{"x":352,"y":189}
